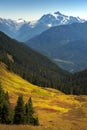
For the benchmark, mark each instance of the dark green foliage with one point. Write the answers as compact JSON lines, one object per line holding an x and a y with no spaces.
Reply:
{"x":22,"y":115}
{"x":5,"y":113}
{"x":25,"y":115}
{"x":35,"y":121}
{"x":77,"y":83}
{"x":4,"y":107}
{"x":30,"y":116}
{"x":29,"y":113}
{"x":80,"y":82}
{"x":19,"y":111}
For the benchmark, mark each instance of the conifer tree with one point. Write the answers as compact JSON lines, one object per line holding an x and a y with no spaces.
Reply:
{"x":29,"y":111}
{"x":22,"y":115}
{"x":5,"y":113}
{"x":35,"y":119}
{"x":4,"y":107}
{"x":19,"y":111}
{"x":30,"y":116}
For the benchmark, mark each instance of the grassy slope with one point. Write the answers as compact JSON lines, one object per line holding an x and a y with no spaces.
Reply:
{"x":55,"y":109}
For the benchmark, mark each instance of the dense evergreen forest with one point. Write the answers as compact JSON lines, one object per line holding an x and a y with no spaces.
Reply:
{"x":38,"y":69}
{"x":22,"y":113}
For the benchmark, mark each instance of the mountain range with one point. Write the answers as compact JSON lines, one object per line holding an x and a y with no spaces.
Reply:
{"x":22,"y":30}
{"x":65,"y":44}
{"x":40,"y":60}
{"x":58,"y":29}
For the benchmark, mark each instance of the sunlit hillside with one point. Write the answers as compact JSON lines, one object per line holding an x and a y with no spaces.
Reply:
{"x":56,"y":110}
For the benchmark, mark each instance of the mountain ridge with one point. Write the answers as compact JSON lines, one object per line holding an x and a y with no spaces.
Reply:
{"x":23,"y":30}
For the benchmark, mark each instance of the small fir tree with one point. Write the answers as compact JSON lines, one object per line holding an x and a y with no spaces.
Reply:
{"x":29,"y":111}
{"x":30,"y":116}
{"x":35,"y":120}
{"x":5,"y":114}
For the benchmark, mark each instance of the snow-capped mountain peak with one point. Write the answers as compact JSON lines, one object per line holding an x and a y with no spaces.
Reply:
{"x":58,"y":18}
{"x":20,"y":21}
{"x":23,"y":30}
{"x":56,"y":14}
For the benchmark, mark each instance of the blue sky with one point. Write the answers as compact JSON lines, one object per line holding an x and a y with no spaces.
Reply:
{"x":34,"y":9}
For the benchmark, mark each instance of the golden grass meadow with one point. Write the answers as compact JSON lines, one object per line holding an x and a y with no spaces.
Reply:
{"x":56,"y":110}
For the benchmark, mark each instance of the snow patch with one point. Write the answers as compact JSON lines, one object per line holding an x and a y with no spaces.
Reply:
{"x":55,"y":15}
{"x":49,"y":25}
{"x":20,"y":21}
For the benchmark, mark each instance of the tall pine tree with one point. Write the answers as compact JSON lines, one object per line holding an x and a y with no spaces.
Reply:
{"x":5,"y":113}
{"x":4,"y":107}
{"x":19,"y":111}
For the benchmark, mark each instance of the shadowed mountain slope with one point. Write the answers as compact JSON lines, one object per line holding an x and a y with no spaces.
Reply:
{"x":66,"y":45}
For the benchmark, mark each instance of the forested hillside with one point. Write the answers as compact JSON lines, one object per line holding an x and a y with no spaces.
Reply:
{"x":31,"y":65}
{"x":38,"y":69}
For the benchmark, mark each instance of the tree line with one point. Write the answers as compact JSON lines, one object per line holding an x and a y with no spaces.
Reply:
{"x":22,"y":113}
